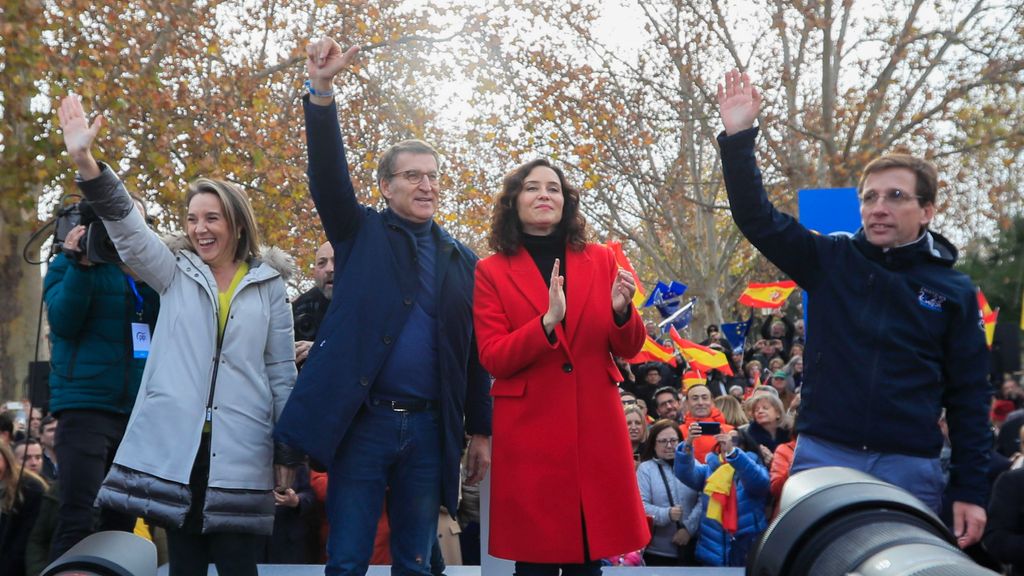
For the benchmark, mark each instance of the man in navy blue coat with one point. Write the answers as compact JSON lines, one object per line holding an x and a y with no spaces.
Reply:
{"x":893,"y":333}
{"x":392,"y":383}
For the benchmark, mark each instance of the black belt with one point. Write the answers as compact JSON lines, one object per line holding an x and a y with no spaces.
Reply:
{"x":405,"y":405}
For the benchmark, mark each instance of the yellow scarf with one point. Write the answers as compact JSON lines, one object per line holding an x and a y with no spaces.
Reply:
{"x":718,"y":488}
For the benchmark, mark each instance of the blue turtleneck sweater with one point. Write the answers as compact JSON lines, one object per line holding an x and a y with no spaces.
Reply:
{"x":410,"y":371}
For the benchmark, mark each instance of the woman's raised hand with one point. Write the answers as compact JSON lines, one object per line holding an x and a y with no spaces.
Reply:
{"x":623,"y":289}
{"x":79,"y":135}
{"x":556,"y":300}
{"x":739,"y":102}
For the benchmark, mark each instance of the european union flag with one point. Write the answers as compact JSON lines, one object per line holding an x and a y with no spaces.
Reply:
{"x":736,"y":332}
{"x":667,"y":298}
{"x":681,"y":318}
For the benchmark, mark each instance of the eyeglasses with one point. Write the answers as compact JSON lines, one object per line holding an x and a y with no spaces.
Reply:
{"x":667,"y":441}
{"x":892,"y":197}
{"x":629,"y":402}
{"x":415,"y":176}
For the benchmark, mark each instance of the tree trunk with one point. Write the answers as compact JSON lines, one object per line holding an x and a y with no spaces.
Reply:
{"x":19,"y":312}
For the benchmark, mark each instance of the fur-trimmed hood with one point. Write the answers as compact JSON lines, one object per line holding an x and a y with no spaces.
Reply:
{"x":270,"y":255}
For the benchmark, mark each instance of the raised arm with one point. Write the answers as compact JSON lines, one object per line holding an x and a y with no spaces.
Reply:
{"x":139,"y":247}
{"x":329,"y":180}
{"x":324,"y":60}
{"x":783,"y":240}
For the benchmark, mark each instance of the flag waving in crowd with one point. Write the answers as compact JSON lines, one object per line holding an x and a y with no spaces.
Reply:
{"x":767,"y":295}
{"x":654,"y":352}
{"x":701,"y":357}
{"x":988,"y":317}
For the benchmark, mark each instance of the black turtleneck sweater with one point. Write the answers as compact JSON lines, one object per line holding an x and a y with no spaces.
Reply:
{"x":544,"y":250}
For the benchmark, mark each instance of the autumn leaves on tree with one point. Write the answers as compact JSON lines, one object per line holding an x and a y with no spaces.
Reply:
{"x":623,"y":98}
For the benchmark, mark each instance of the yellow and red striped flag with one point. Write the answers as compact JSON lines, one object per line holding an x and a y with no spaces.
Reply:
{"x":767,"y":295}
{"x":620,"y":257}
{"x":654,"y":352}
{"x":701,"y":357}
{"x":988,"y":318}
{"x":693,"y":378}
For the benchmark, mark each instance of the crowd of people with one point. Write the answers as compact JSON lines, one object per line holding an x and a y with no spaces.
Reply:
{"x":190,"y":402}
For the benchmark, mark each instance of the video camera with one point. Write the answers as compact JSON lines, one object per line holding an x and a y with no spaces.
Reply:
{"x":95,"y":244}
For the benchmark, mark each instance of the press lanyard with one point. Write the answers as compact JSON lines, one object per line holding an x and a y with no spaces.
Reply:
{"x":138,"y":297}
{"x":140,"y":330}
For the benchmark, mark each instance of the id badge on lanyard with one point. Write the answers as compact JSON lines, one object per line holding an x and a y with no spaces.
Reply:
{"x":140,"y":330}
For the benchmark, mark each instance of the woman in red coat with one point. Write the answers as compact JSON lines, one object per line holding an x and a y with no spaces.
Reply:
{"x":550,"y":311}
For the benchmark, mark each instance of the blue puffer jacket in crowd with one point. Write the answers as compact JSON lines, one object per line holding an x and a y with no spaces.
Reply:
{"x":892,"y":335}
{"x":90,"y":311}
{"x":715,"y":546}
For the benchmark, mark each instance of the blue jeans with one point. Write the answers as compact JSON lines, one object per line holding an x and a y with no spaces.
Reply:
{"x":400,"y":451}
{"x":918,"y":475}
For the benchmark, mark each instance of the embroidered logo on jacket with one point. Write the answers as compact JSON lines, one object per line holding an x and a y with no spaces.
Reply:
{"x":930,"y":300}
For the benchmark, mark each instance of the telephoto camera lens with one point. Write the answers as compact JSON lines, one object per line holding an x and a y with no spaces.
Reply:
{"x":835,"y":521}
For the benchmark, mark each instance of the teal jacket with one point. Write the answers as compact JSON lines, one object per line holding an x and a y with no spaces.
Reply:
{"x":90,"y":311}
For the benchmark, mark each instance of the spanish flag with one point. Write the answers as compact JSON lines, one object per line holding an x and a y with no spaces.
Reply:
{"x":770,"y":295}
{"x":620,"y":257}
{"x":654,"y":352}
{"x":988,"y":318}
{"x":693,"y":378}
{"x":701,"y":357}
{"x":723,"y":506}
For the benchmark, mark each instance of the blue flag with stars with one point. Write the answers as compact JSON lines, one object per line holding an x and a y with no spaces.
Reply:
{"x":736,"y":332}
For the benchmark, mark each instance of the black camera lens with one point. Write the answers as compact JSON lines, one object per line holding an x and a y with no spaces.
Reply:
{"x":841,"y":521}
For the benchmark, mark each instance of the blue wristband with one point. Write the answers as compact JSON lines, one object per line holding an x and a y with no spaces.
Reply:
{"x":313,"y":91}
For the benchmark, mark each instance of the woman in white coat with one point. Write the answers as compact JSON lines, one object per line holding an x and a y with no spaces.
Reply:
{"x":197,"y":454}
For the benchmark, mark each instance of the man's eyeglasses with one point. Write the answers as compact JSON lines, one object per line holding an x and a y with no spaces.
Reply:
{"x":892,"y":197}
{"x":629,"y":402}
{"x":667,"y":441}
{"x":415,"y":176}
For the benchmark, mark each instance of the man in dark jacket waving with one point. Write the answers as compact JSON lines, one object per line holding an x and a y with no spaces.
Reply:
{"x":893,"y":331}
{"x":392,"y":382}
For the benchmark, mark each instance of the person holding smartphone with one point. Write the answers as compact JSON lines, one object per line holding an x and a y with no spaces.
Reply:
{"x":734,"y":489}
{"x":703,"y":416}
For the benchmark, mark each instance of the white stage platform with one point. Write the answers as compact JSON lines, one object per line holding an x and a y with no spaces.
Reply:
{"x":311,"y":570}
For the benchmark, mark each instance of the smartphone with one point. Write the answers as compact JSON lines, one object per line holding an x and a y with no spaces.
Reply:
{"x":710,"y":428}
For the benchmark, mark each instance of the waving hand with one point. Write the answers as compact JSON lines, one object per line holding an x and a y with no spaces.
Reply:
{"x":739,"y":102}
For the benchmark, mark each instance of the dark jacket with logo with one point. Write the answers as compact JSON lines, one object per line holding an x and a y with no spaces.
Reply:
{"x":893,"y":335}
{"x":90,"y":311}
{"x":374,"y":289}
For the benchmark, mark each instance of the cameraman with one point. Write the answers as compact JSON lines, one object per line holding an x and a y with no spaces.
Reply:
{"x":308,"y":309}
{"x":95,"y":310}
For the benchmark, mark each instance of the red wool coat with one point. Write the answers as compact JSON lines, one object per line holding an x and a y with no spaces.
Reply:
{"x":560,"y":451}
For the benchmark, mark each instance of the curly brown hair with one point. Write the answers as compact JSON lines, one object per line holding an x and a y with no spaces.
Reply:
{"x":507,"y":230}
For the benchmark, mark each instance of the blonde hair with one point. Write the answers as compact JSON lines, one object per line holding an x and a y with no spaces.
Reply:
{"x":732,"y":410}
{"x":772,"y":399}
{"x":237,"y":213}
{"x":634,"y":409}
